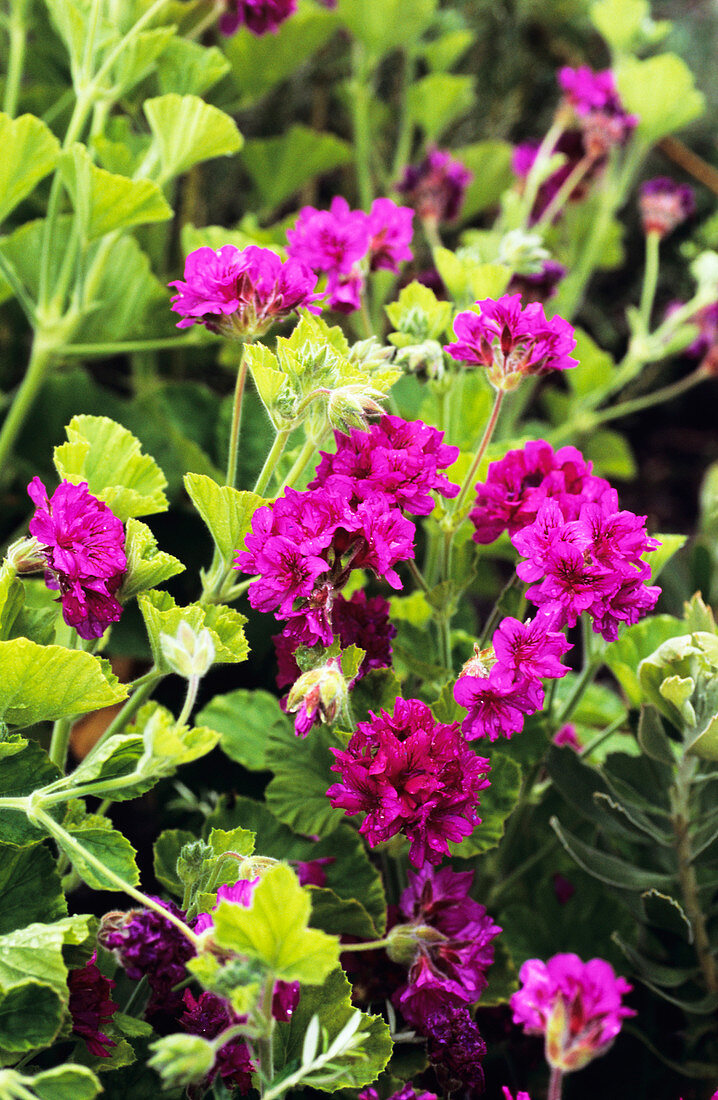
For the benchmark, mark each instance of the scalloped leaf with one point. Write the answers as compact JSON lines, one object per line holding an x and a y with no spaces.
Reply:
{"x":188,"y":131}
{"x":162,"y":615}
{"x":110,"y":459}
{"x":437,"y":100}
{"x":29,"y":886}
{"x":187,"y":68}
{"x":245,"y":719}
{"x":661,"y":91}
{"x":227,"y":512}
{"x":106,"y":201}
{"x":97,"y":837}
{"x":47,"y":682}
{"x":66,"y":1083}
{"x":147,"y":566}
{"x":298,"y":792}
{"x":31,"y":1013}
{"x":25,"y":766}
{"x":280,"y":166}
{"x":496,"y":805}
{"x":30,"y":151}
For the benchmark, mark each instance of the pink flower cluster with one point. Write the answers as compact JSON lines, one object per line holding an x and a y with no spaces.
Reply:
{"x":436,"y":186}
{"x":446,"y":970}
{"x":258,"y":16}
{"x":665,"y":205}
{"x":596,"y":103}
{"x":576,"y":1006}
{"x":84,"y":554}
{"x":241,"y":292}
{"x":306,"y":544}
{"x":343,"y":244}
{"x":409,"y":773}
{"x":512,"y":342}
{"x":499,"y":687}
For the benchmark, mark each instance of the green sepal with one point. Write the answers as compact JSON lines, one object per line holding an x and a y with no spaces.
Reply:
{"x":163,"y":616}
{"x":274,"y":930}
{"x":418,"y":315}
{"x":109,"y":458}
{"x":227,"y":512}
{"x":167,"y":848}
{"x":147,"y":566}
{"x":24,"y":766}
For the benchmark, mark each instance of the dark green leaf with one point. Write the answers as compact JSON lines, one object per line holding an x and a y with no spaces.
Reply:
{"x":98,"y":841}
{"x":497,"y":803}
{"x":608,"y":868}
{"x":665,"y":912}
{"x":280,"y":166}
{"x":245,"y":720}
{"x":167,"y":849}
{"x":30,"y":1016}
{"x":29,"y":886}
{"x":298,"y":792}
{"x":24,"y":767}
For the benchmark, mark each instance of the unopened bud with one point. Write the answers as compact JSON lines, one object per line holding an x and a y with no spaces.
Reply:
{"x":426,"y":358}
{"x":318,"y":695}
{"x":370,"y":353}
{"x":523,"y":252}
{"x":480,"y":665}
{"x":182,"y":1059}
{"x":27,"y":555}
{"x":405,"y":941}
{"x":187,"y":653}
{"x":352,"y":405}
{"x":704,"y":270}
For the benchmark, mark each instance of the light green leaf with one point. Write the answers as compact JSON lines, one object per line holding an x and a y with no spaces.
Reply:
{"x":227,"y":512}
{"x":625,"y":654}
{"x":168,"y":745}
{"x":35,"y":952}
{"x":330,"y":1004}
{"x":596,"y":366}
{"x":658,"y":559}
{"x":163,"y":616}
{"x":181,"y":1059}
{"x":43,"y":683}
{"x":496,"y":804}
{"x":190,"y":69}
{"x":122,"y":293}
{"x":280,"y":166}
{"x":298,"y":792}
{"x":490,"y":165}
{"x":96,"y":837}
{"x":418,"y":315}
{"x":443,"y":52}
{"x":106,"y":201}
{"x":610,"y":453}
{"x":116,"y":757}
{"x":620,"y":21}
{"x":437,"y":100}
{"x":69,"y":18}
{"x":467,"y":279}
{"x":274,"y":930}
{"x":30,"y":151}
{"x":269,"y":380}
{"x":29,"y":886}
{"x":66,"y":1083}
{"x":661,"y":91}
{"x":11,"y":598}
{"x":188,"y":131}
{"x":385,"y":26}
{"x":139,"y":56}
{"x":147,"y":566}
{"x":245,"y":719}
{"x":109,"y":458}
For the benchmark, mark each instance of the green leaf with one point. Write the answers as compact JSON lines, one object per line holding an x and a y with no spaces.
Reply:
{"x":384,"y":27}
{"x":443,"y":52}
{"x":25,"y":767}
{"x":35,"y":953}
{"x":620,"y":21}
{"x":502,"y":975}
{"x":377,"y":690}
{"x":610,"y":869}
{"x":95,"y":836}
{"x":610,"y":453}
{"x":66,"y":1083}
{"x":167,"y":848}
{"x":641,"y":640}
{"x":190,"y":69}
{"x":30,"y":151}
{"x":12,"y":596}
{"x":665,"y":912}
{"x":46,"y":682}
{"x":139,"y":56}
{"x":147,"y":566}
{"x":30,"y":1015}
{"x":595,"y":370}
{"x":116,"y":757}
{"x":227,"y":512}
{"x":274,"y":930}
{"x":497,"y":803}
{"x":330,"y":1004}
{"x":578,"y":784}
{"x":188,"y":131}
{"x":245,"y":719}
{"x":661,"y":91}
{"x":280,"y":166}
{"x":167,"y":745}
{"x":106,"y":201}
{"x":109,"y":458}
{"x":658,"y":559}
{"x":269,"y":380}
{"x":490,"y":165}
{"x":418,"y":315}
{"x":29,"y":886}
{"x":652,"y":737}
{"x":468,"y":279}
{"x":298,"y":792}
{"x":163,"y":616}
{"x":437,"y":100}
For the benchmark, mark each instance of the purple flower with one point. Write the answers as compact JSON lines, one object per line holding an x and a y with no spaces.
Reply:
{"x":539,"y":286}
{"x":530,"y":650}
{"x":90,"y":1005}
{"x":576,"y":1006}
{"x":512,"y":342}
{"x":665,"y":205}
{"x":435,"y":187}
{"x":311,"y":872}
{"x":258,"y":16}
{"x":333,"y":241}
{"x":405,"y":1093}
{"x":411,"y":774}
{"x":597,"y":104}
{"x":519,"y":1095}
{"x":239,"y":892}
{"x":496,"y":706}
{"x":567,"y":736}
{"x":446,"y":970}
{"x":285,"y":999}
{"x":144,"y":943}
{"x":209,"y":1015}
{"x":563,"y":888}
{"x":84,"y":552}
{"x":706,"y":342}
{"x":455,"y":1049}
{"x":390,"y":233}
{"x":241,"y":292}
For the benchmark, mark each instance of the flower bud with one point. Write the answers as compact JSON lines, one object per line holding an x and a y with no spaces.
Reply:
{"x":182,"y":1059}
{"x":405,"y":941}
{"x":188,"y":653}
{"x":27,"y":555}
{"x":480,"y":664}
{"x":426,"y":358}
{"x":523,"y":252}
{"x":318,"y":695}
{"x":350,"y":406}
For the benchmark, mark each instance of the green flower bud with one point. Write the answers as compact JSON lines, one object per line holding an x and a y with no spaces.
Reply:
{"x":182,"y":1059}
{"x":187,"y":653}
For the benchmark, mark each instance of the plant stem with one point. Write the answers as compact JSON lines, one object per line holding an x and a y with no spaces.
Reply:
{"x":543,"y":154}
{"x":190,"y":698}
{"x":266,"y":1042}
{"x":60,"y":742}
{"x":128,"y":711}
{"x":360,"y":96}
{"x":417,"y":575}
{"x":372,"y":945}
{"x":680,"y":819}
{"x":302,"y":461}
{"x":554,"y":1085}
{"x":650,"y":277}
{"x":405,"y":131}
{"x":40,"y":360}
{"x":656,"y":397}
{"x":17,"y":30}
{"x":122,"y":347}
{"x":24,"y":300}
{"x":236,"y":421}
{"x":564,"y":192}
{"x":270,"y":462}
{"x":431,"y":232}
{"x":485,"y":440}
{"x":585,"y":677}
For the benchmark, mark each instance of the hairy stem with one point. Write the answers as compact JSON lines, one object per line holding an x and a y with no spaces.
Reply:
{"x":650,"y":277}
{"x":554,"y":1085}
{"x":680,"y":819}
{"x":270,"y":462}
{"x":236,"y":421}
{"x":41,"y":359}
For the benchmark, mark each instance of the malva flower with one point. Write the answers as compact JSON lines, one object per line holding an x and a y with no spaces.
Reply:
{"x":333,"y":242}
{"x":404,"y":1093}
{"x":447,"y":945}
{"x":512,"y":342}
{"x":209,"y":1015}
{"x":390,"y":233}
{"x":455,"y":1048}
{"x":258,"y":16}
{"x":597,"y":106}
{"x":665,"y":205}
{"x":90,"y":1005}
{"x":519,"y":1095}
{"x":436,"y":186}
{"x":409,"y":773}
{"x":571,"y":145}
{"x":83,"y":552}
{"x":576,"y":1006}
{"x":241,"y":292}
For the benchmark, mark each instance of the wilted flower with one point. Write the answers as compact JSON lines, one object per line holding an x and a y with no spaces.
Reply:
{"x":83,"y":547}
{"x":208,"y":1016}
{"x":318,"y":695}
{"x":576,"y":1006}
{"x":258,"y":16}
{"x":664,"y":205}
{"x":241,"y":292}
{"x":512,"y":342}
{"x":436,"y":186}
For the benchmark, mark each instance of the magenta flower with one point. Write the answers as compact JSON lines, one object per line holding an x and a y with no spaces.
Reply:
{"x":496,"y":706}
{"x":665,"y":205}
{"x":567,"y":736}
{"x":512,"y":342}
{"x":311,"y":872}
{"x":90,"y":1005}
{"x":241,"y":292}
{"x":411,"y":774}
{"x":405,"y":1093}
{"x":84,"y":554}
{"x":436,"y":186}
{"x":390,"y":233}
{"x":530,"y":650}
{"x":258,"y":16}
{"x":449,"y":970}
{"x":519,"y":1095}
{"x":455,"y":1049}
{"x":587,"y":90}
{"x":209,"y":1015}
{"x":576,"y":1006}
{"x":572,"y":146}
{"x":240,"y":893}
{"x":705,"y":345}
{"x":334,"y":242}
